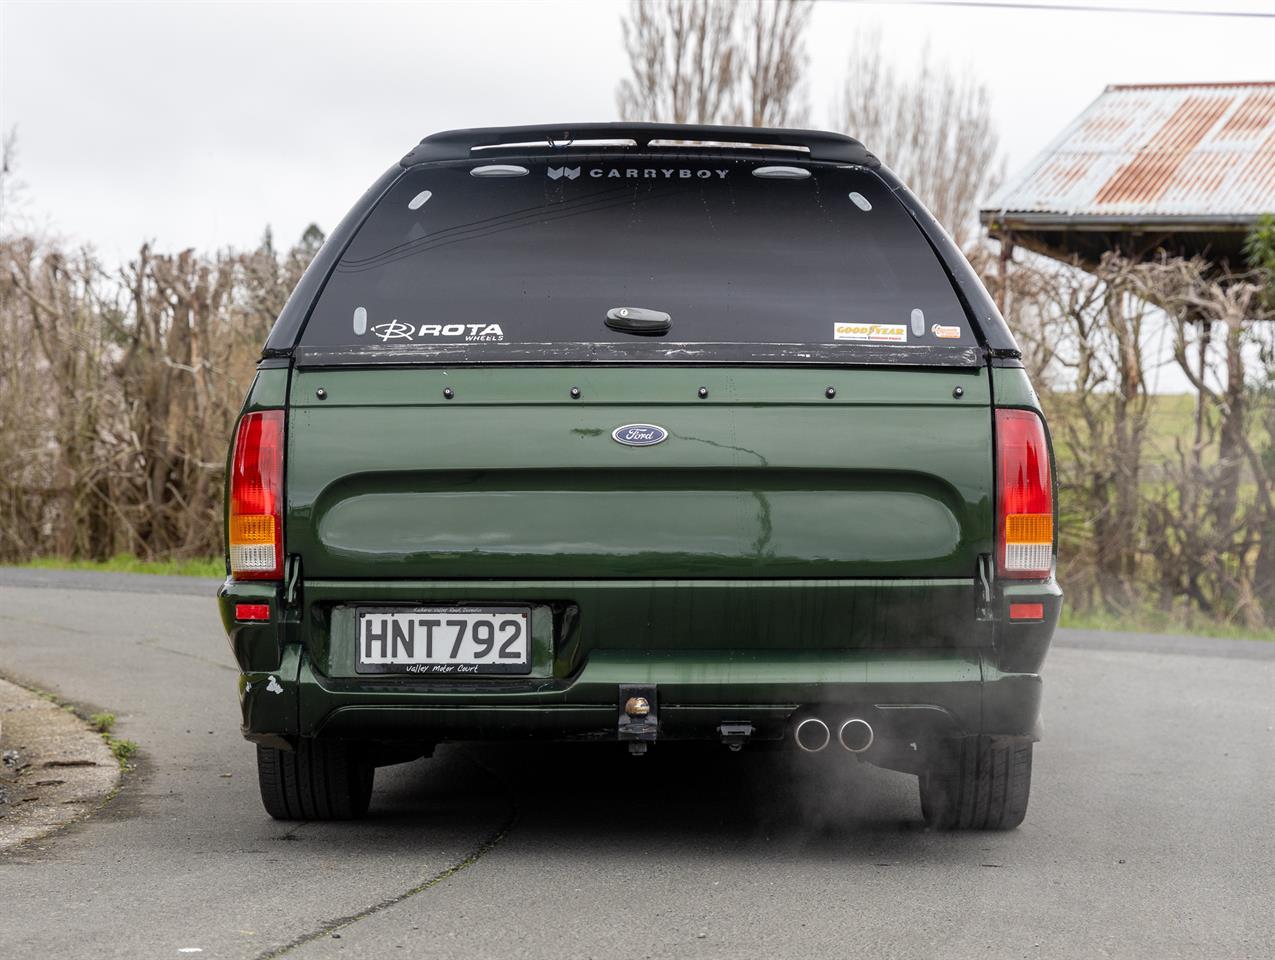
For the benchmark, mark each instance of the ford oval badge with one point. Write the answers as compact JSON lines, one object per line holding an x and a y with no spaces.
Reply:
{"x":639,"y":434}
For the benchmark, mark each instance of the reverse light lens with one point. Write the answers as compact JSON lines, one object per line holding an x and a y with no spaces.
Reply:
{"x":1025,"y":496}
{"x":255,"y":533}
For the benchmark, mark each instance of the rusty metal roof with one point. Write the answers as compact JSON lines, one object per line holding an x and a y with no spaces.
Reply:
{"x":1160,"y":153}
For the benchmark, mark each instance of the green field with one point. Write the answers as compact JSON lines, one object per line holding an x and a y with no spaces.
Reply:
{"x":1170,"y":419}
{"x":1158,"y":621}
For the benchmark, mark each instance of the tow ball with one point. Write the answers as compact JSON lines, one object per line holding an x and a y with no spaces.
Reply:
{"x":639,"y":716}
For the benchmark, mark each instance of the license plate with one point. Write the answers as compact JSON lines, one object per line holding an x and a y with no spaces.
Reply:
{"x":444,"y":640}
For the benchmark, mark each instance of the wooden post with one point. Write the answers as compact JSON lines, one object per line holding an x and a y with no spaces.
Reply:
{"x":1006,"y":255}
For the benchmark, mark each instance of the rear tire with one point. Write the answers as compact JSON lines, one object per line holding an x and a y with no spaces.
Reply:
{"x":319,"y":780}
{"x":978,"y":784}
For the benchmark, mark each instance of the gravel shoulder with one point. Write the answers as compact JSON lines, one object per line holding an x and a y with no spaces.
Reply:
{"x":55,"y":770}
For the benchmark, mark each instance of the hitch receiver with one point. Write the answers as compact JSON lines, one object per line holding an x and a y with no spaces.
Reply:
{"x":638,"y":722}
{"x":735,"y":733}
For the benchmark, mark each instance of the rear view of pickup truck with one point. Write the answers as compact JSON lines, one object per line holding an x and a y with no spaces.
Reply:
{"x":641,"y":433}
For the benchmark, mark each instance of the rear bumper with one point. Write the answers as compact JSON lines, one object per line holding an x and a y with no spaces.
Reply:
{"x":905,"y":695}
{"x":923,"y":692}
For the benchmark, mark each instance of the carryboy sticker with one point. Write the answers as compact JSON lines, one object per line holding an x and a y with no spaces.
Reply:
{"x":638,"y":173}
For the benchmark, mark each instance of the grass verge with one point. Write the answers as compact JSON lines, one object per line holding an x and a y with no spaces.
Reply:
{"x":213,"y":567}
{"x":1160,"y":621}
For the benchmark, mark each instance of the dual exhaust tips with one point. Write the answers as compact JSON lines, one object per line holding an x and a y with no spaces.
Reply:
{"x":812,"y":734}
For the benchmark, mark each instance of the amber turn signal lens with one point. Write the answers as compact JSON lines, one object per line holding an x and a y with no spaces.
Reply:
{"x":252,"y":529}
{"x":1029,"y":528}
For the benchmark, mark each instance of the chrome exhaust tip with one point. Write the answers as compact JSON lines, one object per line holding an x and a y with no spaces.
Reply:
{"x":855,"y":735}
{"x":812,"y":735}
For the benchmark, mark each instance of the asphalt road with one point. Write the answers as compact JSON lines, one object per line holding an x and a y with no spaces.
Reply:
{"x":1149,"y":833}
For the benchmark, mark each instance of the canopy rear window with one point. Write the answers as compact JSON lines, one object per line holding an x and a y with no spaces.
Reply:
{"x":458,"y":266}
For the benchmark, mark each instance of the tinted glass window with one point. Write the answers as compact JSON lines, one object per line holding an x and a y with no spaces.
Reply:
{"x":732,"y":258}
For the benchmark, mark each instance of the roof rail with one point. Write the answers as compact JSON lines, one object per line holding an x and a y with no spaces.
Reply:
{"x":459,"y":144}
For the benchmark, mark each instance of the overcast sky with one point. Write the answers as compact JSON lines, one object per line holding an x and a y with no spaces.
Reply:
{"x":197,"y":124}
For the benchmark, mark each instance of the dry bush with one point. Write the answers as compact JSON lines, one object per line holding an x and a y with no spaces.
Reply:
{"x":1191,"y":524}
{"x":1211,"y":539}
{"x":52,"y":393}
{"x":118,"y":391}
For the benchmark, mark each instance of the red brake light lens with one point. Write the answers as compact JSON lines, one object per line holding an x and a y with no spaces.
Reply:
{"x":1025,"y":494}
{"x":255,"y":533}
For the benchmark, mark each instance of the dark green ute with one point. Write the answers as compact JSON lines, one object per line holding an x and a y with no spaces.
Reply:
{"x":785,"y":513}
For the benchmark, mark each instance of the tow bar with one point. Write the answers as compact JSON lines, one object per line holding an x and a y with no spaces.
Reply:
{"x":639,"y":720}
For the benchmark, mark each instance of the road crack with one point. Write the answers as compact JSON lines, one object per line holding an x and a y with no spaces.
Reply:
{"x":340,"y":923}
{"x":154,"y":644}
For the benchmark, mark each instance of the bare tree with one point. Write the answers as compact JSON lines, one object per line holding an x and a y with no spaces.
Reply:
{"x":775,"y":62}
{"x":10,"y":185}
{"x":710,"y":61}
{"x":933,"y":127}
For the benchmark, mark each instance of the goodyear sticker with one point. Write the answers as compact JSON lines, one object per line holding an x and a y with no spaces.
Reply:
{"x":946,"y":333}
{"x":873,"y":332}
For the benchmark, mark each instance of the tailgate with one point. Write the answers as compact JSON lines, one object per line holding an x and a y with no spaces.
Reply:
{"x":513,"y":478}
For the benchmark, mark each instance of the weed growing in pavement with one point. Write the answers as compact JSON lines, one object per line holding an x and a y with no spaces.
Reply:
{"x":123,"y":749}
{"x":102,"y":722}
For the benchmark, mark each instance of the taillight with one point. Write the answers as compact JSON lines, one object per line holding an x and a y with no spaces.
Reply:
{"x":255,"y":533}
{"x":1025,"y":526}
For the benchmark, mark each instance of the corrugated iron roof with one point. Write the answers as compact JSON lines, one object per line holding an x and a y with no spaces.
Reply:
{"x":1201,"y":151}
